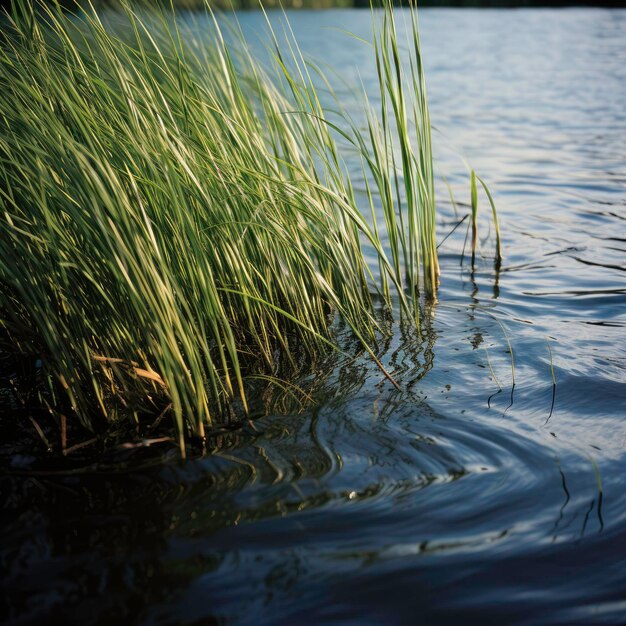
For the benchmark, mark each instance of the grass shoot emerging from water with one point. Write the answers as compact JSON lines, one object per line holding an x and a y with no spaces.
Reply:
{"x":176,"y":217}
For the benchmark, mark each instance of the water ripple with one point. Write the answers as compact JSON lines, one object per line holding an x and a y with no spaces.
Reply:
{"x":489,"y":488}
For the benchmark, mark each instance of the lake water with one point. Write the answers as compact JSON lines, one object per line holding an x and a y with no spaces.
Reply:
{"x":457,"y":499}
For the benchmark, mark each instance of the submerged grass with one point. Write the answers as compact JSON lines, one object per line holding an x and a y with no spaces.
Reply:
{"x":176,"y":218}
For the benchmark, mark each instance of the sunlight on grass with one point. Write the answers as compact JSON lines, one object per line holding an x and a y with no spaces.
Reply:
{"x":175,"y":213}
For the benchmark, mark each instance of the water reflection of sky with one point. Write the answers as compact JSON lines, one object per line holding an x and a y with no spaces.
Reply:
{"x":458,"y":496}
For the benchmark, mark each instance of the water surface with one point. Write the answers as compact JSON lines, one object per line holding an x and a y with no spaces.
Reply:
{"x":460,"y":498}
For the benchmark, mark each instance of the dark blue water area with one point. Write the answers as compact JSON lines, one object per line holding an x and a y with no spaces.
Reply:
{"x":490,"y":487}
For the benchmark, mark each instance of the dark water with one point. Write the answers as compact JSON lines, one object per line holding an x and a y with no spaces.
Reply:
{"x":449,"y":501}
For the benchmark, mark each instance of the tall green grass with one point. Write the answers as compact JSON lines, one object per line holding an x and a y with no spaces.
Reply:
{"x":175,"y":214}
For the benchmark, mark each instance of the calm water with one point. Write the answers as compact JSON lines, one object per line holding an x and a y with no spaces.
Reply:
{"x":448,"y":501}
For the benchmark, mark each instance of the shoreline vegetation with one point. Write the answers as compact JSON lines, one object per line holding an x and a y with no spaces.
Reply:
{"x":177,"y":223}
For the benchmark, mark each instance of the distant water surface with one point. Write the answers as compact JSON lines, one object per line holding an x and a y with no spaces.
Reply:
{"x":458,"y":499}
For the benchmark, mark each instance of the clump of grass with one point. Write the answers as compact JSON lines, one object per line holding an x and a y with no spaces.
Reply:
{"x":174,"y":215}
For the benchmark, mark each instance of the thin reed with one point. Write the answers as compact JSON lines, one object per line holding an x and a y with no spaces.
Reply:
{"x":175,"y":215}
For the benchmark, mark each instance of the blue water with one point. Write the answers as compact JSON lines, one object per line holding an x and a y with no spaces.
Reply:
{"x":461,"y":497}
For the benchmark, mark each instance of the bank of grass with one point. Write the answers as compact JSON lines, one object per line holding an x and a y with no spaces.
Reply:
{"x":176,"y":218}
